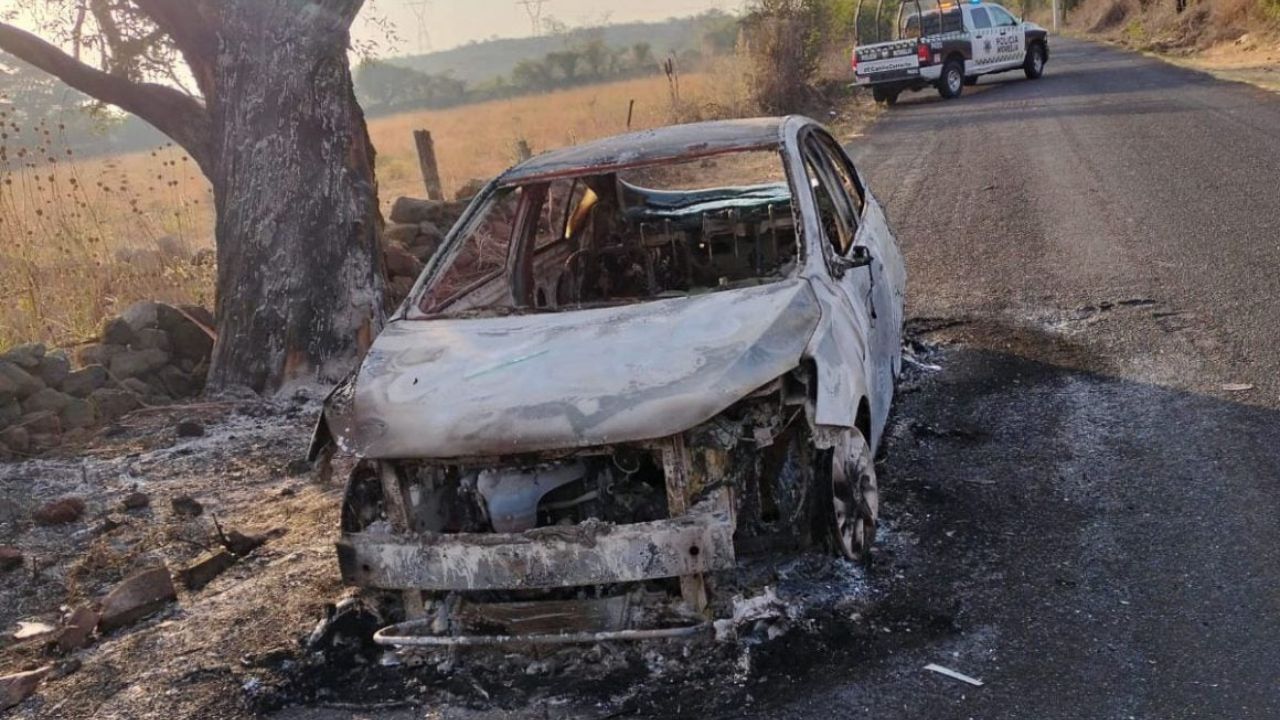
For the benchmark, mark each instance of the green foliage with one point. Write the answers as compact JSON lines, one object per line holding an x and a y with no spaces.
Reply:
{"x":785,"y":39}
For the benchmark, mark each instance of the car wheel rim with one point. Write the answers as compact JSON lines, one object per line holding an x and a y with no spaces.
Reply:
{"x":954,"y":80}
{"x":855,"y":500}
{"x":1037,"y":61}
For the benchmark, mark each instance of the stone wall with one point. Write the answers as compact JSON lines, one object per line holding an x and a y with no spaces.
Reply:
{"x":153,"y":354}
{"x":414,"y":234}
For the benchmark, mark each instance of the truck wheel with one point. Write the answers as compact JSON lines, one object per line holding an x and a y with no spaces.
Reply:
{"x":888,"y":97}
{"x":951,"y":82}
{"x":1033,"y":66}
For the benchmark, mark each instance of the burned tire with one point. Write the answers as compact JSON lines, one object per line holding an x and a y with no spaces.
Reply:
{"x":1033,"y":66}
{"x":849,"y":497}
{"x":951,"y":82}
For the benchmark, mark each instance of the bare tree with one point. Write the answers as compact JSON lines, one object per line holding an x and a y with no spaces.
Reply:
{"x":272,"y":121}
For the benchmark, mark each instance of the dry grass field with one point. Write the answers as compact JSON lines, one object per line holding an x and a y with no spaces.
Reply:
{"x":82,"y":239}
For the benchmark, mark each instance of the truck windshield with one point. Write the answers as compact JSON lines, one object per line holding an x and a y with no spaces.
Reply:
{"x":614,"y":237}
{"x":933,"y":22}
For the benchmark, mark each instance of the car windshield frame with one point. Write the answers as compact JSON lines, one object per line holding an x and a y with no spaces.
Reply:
{"x":523,"y":234}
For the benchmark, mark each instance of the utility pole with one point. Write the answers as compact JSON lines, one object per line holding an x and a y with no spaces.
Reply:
{"x":1055,"y":16}
{"x":534,"y":10}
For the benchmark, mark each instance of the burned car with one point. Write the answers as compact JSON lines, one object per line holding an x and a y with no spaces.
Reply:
{"x":632,"y":364}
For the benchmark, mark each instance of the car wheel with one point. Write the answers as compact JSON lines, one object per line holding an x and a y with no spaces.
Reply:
{"x":852,"y":497}
{"x":951,"y":83}
{"x":1033,"y":66}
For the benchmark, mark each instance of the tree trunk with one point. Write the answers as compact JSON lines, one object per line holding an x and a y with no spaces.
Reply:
{"x":300,"y":281}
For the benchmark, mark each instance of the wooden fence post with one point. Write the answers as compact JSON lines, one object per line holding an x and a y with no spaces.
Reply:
{"x":427,"y":161}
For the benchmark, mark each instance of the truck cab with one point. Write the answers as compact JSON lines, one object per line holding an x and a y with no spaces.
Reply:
{"x":946,"y":45}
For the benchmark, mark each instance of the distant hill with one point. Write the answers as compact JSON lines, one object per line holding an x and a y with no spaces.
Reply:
{"x":480,"y":62}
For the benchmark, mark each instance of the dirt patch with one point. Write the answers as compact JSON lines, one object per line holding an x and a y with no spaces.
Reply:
{"x":193,"y":658}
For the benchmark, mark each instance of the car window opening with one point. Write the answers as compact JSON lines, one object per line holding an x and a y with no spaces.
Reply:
{"x":617,"y":237}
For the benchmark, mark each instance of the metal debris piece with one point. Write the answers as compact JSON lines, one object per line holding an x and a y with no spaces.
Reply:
{"x":953,"y":674}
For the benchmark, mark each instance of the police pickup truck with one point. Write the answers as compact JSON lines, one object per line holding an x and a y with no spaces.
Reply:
{"x":947,"y":45}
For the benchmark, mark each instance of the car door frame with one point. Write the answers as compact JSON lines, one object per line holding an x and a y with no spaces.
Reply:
{"x":877,"y":286}
{"x":982,"y":40}
{"x":1010,"y":40}
{"x":856,"y":288}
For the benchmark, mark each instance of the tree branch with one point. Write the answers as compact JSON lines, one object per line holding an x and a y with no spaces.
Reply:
{"x":187,"y":24}
{"x":173,"y":113}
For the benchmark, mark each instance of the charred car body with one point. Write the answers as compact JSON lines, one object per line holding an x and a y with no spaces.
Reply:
{"x":630,"y":363}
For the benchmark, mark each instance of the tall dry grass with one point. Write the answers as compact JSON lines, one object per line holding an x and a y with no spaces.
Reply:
{"x":479,"y":141}
{"x":80,"y":239}
{"x":1159,"y":26}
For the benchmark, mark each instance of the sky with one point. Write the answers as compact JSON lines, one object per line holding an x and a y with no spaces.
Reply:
{"x":450,"y":23}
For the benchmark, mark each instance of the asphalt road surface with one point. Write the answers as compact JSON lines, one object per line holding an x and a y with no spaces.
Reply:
{"x":1084,"y":502}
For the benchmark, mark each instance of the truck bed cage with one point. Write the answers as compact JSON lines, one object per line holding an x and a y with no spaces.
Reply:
{"x":940,"y":7}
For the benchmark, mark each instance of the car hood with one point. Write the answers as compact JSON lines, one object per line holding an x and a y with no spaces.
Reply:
{"x":517,"y":384}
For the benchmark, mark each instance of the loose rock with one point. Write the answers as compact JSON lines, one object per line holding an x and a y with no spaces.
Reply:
{"x":138,"y":596}
{"x":402,"y":233}
{"x":470,"y":189}
{"x":78,"y":414}
{"x":136,"y":501}
{"x":401,"y":262}
{"x":83,"y":382}
{"x":133,"y":363}
{"x":186,"y":506}
{"x":42,"y":423}
{"x":10,"y":410}
{"x":113,"y":404}
{"x":60,"y":512}
{"x":79,"y":626}
{"x":25,"y":356}
{"x":10,"y":558}
{"x":54,"y":368}
{"x":46,"y":399}
{"x":152,"y":338}
{"x":17,"y":382}
{"x":141,"y":315}
{"x":19,"y":686}
{"x":206,"y":569}
{"x":98,"y":354}
{"x":16,"y":439}
{"x":116,"y":331}
{"x":409,"y":210}
{"x":190,"y":429}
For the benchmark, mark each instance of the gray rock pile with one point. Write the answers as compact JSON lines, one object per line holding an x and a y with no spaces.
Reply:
{"x":152,"y":354}
{"x":414,"y":234}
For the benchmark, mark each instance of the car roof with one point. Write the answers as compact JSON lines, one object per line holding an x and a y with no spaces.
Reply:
{"x":646,"y":147}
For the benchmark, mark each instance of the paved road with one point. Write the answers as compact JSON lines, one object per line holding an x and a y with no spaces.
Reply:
{"x":1083,"y":516}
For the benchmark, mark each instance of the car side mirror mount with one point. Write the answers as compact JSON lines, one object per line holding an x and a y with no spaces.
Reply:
{"x":858,"y":257}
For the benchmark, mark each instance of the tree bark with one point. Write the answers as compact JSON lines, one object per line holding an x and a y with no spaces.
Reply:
{"x":300,"y":280}
{"x":284,"y":144}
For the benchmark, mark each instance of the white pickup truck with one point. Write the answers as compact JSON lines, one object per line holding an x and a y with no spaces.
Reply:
{"x":947,"y":45}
